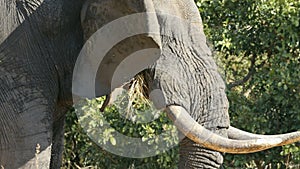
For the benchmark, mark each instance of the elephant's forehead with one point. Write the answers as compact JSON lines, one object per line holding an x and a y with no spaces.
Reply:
{"x":184,"y":9}
{"x":97,"y":13}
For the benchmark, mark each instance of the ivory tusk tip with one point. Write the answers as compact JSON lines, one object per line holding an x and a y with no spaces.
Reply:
{"x":271,"y":141}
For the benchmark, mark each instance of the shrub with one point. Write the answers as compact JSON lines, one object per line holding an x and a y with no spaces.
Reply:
{"x":257,"y":47}
{"x":81,"y":151}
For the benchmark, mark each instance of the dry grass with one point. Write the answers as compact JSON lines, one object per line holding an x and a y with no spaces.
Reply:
{"x":37,"y":152}
{"x":138,"y":89}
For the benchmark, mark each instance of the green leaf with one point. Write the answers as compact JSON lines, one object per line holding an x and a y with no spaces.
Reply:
{"x":112,"y":141}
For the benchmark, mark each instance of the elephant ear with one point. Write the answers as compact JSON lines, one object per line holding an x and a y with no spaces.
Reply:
{"x":120,"y":41}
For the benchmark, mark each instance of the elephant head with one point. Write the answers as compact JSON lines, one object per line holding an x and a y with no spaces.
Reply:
{"x":192,"y":91}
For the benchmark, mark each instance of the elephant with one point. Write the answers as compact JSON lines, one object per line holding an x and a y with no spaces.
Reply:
{"x":40,"y":43}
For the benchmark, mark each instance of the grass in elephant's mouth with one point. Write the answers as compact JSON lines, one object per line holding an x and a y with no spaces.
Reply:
{"x":139,"y":88}
{"x":136,"y":95}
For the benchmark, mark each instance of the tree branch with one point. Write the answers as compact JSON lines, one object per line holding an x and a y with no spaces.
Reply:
{"x":251,"y":71}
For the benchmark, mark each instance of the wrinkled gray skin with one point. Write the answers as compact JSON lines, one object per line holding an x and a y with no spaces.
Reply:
{"x":40,"y":41}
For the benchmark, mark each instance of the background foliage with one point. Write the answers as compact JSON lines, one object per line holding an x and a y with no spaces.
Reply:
{"x":80,"y":151}
{"x":256,"y":44}
{"x":257,"y":47}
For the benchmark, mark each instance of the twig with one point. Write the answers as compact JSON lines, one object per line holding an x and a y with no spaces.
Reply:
{"x":251,"y":71}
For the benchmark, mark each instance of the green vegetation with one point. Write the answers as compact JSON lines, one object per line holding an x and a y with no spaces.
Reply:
{"x":256,"y":44}
{"x":257,"y":47}
{"x":80,"y":151}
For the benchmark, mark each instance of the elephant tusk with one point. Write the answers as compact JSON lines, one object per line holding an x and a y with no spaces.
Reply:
{"x":288,"y":138}
{"x":194,"y":131}
{"x":237,"y":134}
